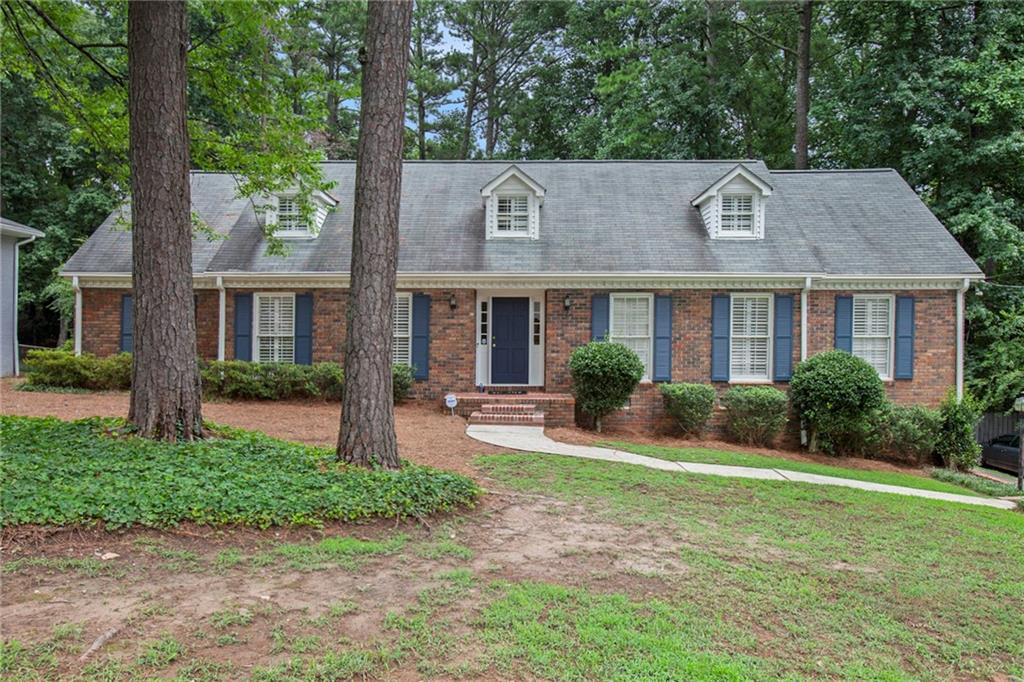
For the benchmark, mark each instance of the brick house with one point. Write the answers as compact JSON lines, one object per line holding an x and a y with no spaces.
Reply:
{"x":720,"y":272}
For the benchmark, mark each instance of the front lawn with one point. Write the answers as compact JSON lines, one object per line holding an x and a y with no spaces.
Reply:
{"x":58,"y":473}
{"x":776,"y":579}
{"x":747,"y":459}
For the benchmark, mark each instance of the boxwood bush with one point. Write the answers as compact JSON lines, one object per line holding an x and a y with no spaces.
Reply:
{"x":93,"y":470}
{"x":690,"y":405}
{"x":836,"y":394}
{"x":755,"y":415}
{"x":240,"y":380}
{"x":402,"y":378}
{"x":905,"y":433}
{"x":604,"y":375}
{"x":64,"y":369}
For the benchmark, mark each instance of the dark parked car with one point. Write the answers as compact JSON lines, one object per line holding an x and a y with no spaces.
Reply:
{"x":1002,"y":453}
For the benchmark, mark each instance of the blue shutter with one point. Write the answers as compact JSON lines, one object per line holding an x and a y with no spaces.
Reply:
{"x":844,"y":323}
{"x":421,"y":336}
{"x":599,"y":317}
{"x":720,"y":308}
{"x":243,"y":326}
{"x":304,"y":329}
{"x":127,"y":323}
{"x":782,"y":353}
{"x":662,"y":338}
{"x":904,"y":337}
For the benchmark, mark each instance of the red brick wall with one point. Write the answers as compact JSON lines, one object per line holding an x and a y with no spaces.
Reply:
{"x":101,"y":321}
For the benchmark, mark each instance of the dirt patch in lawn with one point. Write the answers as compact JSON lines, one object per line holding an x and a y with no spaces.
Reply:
{"x":426,"y":435}
{"x":177,"y":585}
{"x":581,"y":437}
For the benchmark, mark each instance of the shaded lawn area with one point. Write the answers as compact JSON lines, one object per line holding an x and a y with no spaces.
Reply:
{"x":779,"y":578}
{"x":747,"y":459}
{"x":60,"y":473}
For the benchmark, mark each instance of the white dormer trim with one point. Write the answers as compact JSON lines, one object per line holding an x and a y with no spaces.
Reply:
{"x":738,"y":182}
{"x":322,"y":202}
{"x":515,"y":185}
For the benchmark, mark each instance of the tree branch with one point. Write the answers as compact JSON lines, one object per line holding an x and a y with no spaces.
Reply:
{"x":764,"y":38}
{"x":117,"y":78}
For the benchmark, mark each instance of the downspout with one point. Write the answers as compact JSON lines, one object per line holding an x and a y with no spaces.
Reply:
{"x":17,"y":346}
{"x":78,"y":314}
{"x":960,"y":337}
{"x":221,"y":316}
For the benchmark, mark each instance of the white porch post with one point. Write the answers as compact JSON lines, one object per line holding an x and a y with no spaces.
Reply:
{"x":960,"y":338}
{"x":78,"y":314}
{"x":221,"y":316}
{"x":803,"y":318}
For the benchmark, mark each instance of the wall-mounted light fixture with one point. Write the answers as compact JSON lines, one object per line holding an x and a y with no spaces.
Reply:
{"x":567,"y":303}
{"x":452,"y":303}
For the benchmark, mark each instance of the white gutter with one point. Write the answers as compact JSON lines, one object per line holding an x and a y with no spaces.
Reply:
{"x":803,"y":318}
{"x":17,"y":346}
{"x":221,"y":315}
{"x":78,"y":314}
{"x":960,"y":337}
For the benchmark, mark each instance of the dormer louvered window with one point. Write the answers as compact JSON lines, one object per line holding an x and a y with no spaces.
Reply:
{"x":514,"y":214}
{"x":737,"y":215}
{"x":289,"y":219}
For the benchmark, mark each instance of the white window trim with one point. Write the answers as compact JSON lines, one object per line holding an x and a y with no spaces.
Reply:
{"x":892,"y":328}
{"x":513,"y":234}
{"x":408,"y":297}
{"x":256,"y":320}
{"x":754,"y":216}
{"x":742,"y":379}
{"x":648,"y":370}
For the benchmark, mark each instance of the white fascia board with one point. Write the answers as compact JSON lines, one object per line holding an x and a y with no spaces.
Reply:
{"x":739,"y":170}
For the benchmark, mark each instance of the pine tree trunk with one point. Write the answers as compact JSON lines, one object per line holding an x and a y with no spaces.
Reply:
{"x":367,"y":411}
{"x":165,"y":398}
{"x":803,"y":83}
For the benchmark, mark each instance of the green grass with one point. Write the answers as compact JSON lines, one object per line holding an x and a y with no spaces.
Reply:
{"x":978,"y":484}
{"x":776,"y":579}
{"x":61,"y":473}
{"x":346,"y":552}
{"x":88,"y":566}
{"x":744,"y":459}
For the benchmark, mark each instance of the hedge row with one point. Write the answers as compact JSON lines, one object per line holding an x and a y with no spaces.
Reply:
{"x":232,"y":379}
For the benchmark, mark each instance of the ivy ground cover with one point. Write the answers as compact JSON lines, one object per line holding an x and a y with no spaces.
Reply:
{"x":58,"y":473}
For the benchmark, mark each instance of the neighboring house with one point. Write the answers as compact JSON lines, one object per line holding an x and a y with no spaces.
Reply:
{"x":12,"y":236}
{"x":712,"y":271}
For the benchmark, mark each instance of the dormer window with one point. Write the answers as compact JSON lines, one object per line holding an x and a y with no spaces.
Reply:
{"x":512,"y":203}
{"x":285,"y":214}
{"x":290,"y":222}
{"x":737,"y":215}
{"x":733,"y":206}
{"x":514,"y":214}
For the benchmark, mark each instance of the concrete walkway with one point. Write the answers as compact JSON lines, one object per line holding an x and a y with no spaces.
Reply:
{"x":533,"y":439}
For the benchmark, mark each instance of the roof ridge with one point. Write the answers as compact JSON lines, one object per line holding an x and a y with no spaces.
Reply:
{"x":793,"y":171}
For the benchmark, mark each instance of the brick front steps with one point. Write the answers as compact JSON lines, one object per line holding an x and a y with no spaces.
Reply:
{"x":528,"y":409}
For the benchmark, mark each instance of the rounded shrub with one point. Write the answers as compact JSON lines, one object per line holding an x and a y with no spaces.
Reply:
{"x":835,"y":394}
{"x":604,"y":375}
{"x":905,"y":433}
{"x":690,"y":405}
{"x":956,"y":444}
{"x":755,"y":414}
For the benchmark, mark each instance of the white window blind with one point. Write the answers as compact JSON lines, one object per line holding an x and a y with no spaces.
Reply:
{"x":275,"y":327}
{"x":872,"y":332}
{"x":750,"y":341}
{"x":289,"y":216}
{"x":630,"y":324}
{"x":737,"y":214}
{"x":514,"y":213}
{"x":401,"y":348}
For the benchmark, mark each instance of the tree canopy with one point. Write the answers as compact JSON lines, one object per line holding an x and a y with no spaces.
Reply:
{"x":933,"y":89}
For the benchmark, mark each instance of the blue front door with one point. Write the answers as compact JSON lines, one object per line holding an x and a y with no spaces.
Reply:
{"x":510,"y":341}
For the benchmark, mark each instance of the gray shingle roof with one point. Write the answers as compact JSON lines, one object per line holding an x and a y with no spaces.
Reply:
{"x":598,"y":217}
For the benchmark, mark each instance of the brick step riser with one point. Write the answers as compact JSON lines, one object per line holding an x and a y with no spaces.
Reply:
{"x":532,"y":419}
{"x":506,"y":408}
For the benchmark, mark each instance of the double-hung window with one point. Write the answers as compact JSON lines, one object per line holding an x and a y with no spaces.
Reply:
{"x":750,"y":337}
{"x":290,"y":222}
{"x":631,"y":321}
{"x":275,"y":328}
{"x":513,"y":215}
{"x":872,"y":332}
{"x":737,"y":215}
{"x":401,"y":347}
